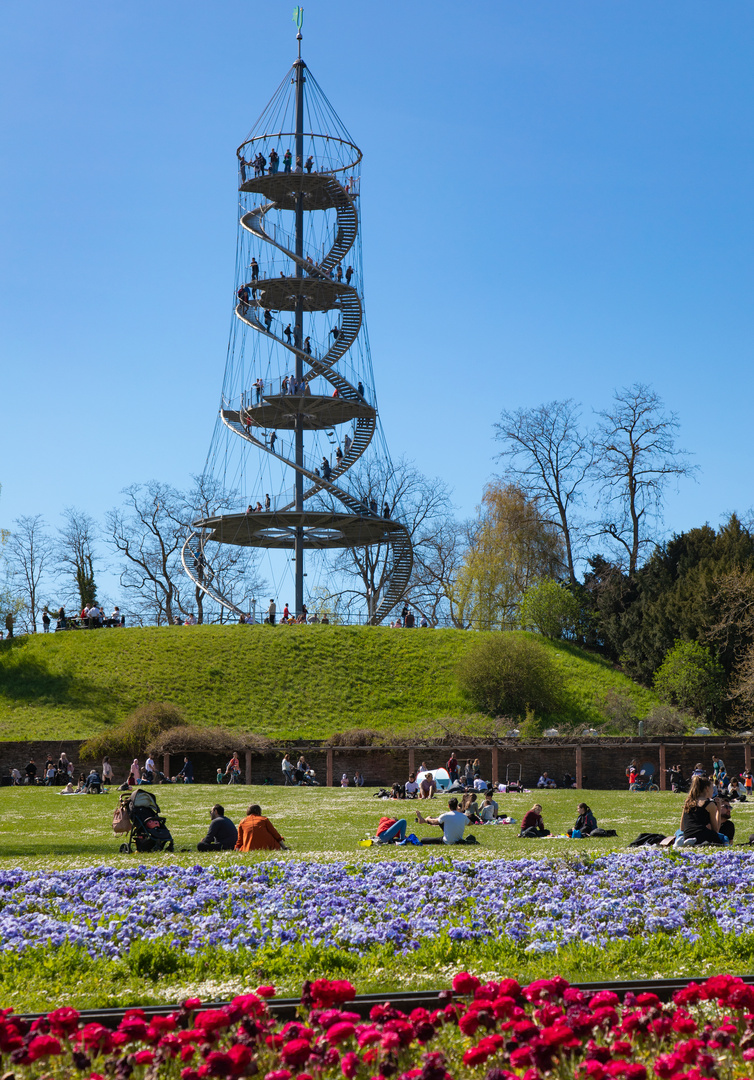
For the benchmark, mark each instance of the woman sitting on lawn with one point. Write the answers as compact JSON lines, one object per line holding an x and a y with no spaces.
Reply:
{"x":700,"y":820}
{"x":470,"y":807}
{"x":586,"y":822}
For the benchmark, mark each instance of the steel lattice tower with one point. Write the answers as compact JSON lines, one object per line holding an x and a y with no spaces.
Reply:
{"x":298,"y":241}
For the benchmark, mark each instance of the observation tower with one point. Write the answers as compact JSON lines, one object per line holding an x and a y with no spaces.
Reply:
{"x":299,"y":409}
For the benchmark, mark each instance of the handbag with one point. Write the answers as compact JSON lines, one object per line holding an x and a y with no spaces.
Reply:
{"x":121,"y":820}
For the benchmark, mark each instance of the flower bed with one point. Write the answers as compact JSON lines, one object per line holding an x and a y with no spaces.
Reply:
{"x":498,"y":1030}
{"x":536,"y":905}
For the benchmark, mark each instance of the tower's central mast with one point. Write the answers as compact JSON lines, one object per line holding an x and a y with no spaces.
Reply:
{"x":299,"y":68}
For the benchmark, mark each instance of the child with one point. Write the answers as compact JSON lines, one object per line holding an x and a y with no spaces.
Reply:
{"x":344,"y":780}
{"x":220,"y":776}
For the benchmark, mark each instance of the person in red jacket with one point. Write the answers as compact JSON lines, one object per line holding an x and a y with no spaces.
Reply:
{"x":390,"y":830}
{"x":257,"y":833}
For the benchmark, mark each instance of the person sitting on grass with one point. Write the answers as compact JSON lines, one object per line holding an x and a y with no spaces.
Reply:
{"x":585,"y":822}
{"x":489,"y":809}
{"x":257,"y":833}
{"x":186,"y":775}
{"x":411,"y":788}
{"x":700,"y":820}
{"x":222,"y":833}
{"x":735,"y":791}
{"x":727,"y":828}
{"x":470,"y":808}
{"x":532,"y":824}
{"x":452,"y":824}
{"x":428,"y":787}
{"x":546,"y":781}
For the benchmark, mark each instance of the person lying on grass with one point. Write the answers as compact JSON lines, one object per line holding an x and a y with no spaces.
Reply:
{"x":452,"y":824}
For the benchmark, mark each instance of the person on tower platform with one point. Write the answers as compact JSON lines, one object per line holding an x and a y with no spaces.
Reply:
{"x":360,"y":390}
{"x":287,"y":333}
{"x":254,"y":270}
{"x":287,"y":159}
{"x":309,"y":163}
{"x":349,"y":275}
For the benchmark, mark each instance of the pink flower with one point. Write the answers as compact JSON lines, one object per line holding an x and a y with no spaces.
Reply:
{"x":192,"y":1004}
{"x":278,"y":1074}
{"x":339,"y":1032}
{"x":368,"y":1035}
{"x":266,"y":991}
{"x":464,"y":983}
{"x":144,"y":1057}
{"x":349,"y":1064}
{"x":296,"y":1052}
{"x":391,"y":1041}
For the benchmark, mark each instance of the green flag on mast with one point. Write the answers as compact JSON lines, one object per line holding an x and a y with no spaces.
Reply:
{"x":298,"y":17}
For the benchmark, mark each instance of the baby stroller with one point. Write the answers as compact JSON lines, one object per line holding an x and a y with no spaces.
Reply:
{"x":148,"y":831}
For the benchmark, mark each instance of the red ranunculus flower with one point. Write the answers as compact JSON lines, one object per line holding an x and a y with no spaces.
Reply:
{"x":278,"y":1074}
{"x":266,"y":991}
{"x":349,"y":1064}
{"x":144,"y":1057}
{"x":296,"y":1052}
{"x":43,"y":1046}
{"x":326,"y":992}
{"x":339,"y":1032}
{"x":213,"y":1020}
{"x":97,"y":1038}
{"x":476,"y":1055}
{"x":240,"y":1057}
{"x":464,"y":983}
{"x":469,"y":1023}
{"x":64,"y":1020}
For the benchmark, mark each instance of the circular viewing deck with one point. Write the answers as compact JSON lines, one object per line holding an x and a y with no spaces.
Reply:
{"x":317,"y":413}
{"x":320,"y":191}
{"x":321,"y":529}
{"x":317,"y":294}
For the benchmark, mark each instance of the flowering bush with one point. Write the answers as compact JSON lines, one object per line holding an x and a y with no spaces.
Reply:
{"x":534,"y":904}
{"x":496,"y":1030}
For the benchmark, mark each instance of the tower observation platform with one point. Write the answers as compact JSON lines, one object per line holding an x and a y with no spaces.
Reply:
{"x":298,"y":412}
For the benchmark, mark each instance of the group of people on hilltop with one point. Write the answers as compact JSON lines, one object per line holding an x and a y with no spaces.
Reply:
{"x":289,"y":619}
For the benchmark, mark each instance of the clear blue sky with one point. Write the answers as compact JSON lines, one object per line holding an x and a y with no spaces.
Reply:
{"x":556,"y":199}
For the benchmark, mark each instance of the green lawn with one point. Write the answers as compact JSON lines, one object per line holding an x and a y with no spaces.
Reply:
{"x":322,"y":823}
{"x":299,"y":682}
{"x":42,"y":831}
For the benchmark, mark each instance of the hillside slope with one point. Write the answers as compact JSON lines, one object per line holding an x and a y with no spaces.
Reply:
{"x":307,"y":682}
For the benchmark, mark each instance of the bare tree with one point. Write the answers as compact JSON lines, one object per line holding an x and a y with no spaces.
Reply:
{"x":437,"y":560}
{"x":423,"y":505}
{"x":149,"y":532}
{"x":635,"y":458}
{"x":75,"y":552}
{"x":549,"y":457}
{"x":29,"y":554}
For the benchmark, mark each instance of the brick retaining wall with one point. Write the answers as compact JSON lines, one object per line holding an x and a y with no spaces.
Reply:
{"x":603,"y":763}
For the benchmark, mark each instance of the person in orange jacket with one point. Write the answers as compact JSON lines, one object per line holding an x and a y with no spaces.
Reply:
{"x":257,"y":833}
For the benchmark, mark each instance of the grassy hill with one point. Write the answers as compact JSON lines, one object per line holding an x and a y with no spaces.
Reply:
{"x":306,"y":682}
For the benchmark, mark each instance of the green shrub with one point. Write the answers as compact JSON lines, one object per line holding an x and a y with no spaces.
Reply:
{"x":507,"y":674}
{"x":691,"y":678}
{"x":136,"y":734}
{"x":550,"y":609}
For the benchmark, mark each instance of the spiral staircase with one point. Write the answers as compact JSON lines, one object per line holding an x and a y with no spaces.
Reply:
{"x":339,"y":516}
